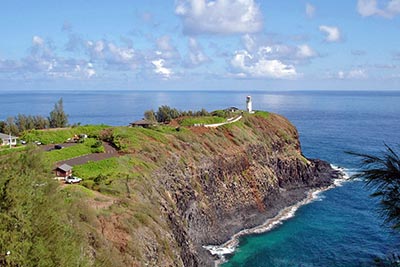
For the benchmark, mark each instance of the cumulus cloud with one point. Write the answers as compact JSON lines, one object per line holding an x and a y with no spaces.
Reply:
{"x":305,"y":51}
{"x":161,"y":70}
{"x":165,"y":48}
{"x":257,"y":66}
{"x":354,"y":74}
{"x":219,"y":16}
{"x":332,"y":33}
{"x":196,"y":55}
{"x":279,"y":51}
{"x":310,"y":10}
{"x":43,"y":62}
{"x":368,"y":8}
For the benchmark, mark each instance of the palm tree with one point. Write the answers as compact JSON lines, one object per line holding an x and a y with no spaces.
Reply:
{"x":382,"y":175}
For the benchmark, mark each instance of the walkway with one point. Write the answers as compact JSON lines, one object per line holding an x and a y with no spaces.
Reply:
{"x":109,"y":152}
{"x":231,"y":120}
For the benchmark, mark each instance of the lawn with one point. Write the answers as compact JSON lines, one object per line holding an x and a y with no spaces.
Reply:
{"x":55,"y":136}
{"x":191,"y":121}
{"x":71,"y":152}
{"x":93,"y":169}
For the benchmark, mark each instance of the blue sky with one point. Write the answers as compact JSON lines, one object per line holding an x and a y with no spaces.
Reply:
{"x":200,"y":45}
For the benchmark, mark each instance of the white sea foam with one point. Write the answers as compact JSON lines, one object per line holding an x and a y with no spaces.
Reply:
{"x":313,"y":195}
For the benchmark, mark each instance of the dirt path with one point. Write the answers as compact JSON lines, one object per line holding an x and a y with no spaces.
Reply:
{"x":109,"y":152}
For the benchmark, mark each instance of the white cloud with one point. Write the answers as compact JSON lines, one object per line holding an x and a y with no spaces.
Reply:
{"x":196,"y":56}
{"x":37,"y":40}
{"x":310,"y":10}
{"x":161,"y":70}
{"x":357,"y":74}
{"x":305,"y":51}
{"x":368,"y":8}
{"x":248,"y":65}
{"x":166,"y":49}
{"x":354,"y":74}
{"x":332,"y":33}
{"x":249,"y":42}
{"x":219,"y":16}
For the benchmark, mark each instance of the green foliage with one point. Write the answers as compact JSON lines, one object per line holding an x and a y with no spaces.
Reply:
{"x":61,"y":135}
{"x":6,"y":150}
{"x":263,"y":114}
{"x":150,"y":115}
{"x":36,"y":225}
{"x":166,"y":114}
{"x":67,"y":153}
{"x":91,"y":169}
{"x":58,"y":118}
{"x":89,"y":146}
{"x":382,"y":174}
{"x":222,"y":113}
{"x":201,"y":120}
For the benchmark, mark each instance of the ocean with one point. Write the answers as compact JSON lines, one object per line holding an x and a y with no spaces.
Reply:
{"x":341,"y":227}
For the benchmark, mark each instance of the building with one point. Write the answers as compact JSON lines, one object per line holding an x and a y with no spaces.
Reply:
{"x":6,"y":140}
{"x":249,"y":104}
{"x":231,"y":109}
{"x":142,"y":123}
{"x":63,"y":171}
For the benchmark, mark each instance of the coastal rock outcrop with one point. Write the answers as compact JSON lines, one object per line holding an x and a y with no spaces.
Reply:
{"x":210,"y":199}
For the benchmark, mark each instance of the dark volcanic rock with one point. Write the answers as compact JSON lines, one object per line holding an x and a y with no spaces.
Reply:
{"x":228,"y":193}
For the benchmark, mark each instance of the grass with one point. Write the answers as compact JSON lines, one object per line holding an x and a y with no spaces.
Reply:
{"x":7,"y":150}
{"x":91,"y":169}
{"x":130,"y":139}
{"x":263,"y":114}
{"x":72,"y":151}
{"x":67,"y":153}
{"x":190,"y":121}
{"x":54,"y":136}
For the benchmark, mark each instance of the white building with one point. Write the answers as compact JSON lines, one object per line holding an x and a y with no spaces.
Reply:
{"x":6,"y":140}
{"x":249,"y":104}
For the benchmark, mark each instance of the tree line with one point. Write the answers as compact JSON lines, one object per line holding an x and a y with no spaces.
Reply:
{"x":166,"y":114}
{"x":20,"y":123}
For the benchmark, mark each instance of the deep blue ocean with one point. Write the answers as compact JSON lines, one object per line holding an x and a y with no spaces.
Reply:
{"x":341,"y":228}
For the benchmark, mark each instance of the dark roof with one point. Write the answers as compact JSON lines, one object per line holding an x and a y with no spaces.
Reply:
{"x":6,"y":136}
{"x":232,"y":108}
{"x":142,"y":122}
{"x":64,"y":167}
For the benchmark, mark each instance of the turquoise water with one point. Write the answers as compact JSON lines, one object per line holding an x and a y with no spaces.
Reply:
{"x":341,"y":228}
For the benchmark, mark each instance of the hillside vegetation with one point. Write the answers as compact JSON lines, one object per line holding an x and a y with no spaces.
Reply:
{"x":171,"y":189}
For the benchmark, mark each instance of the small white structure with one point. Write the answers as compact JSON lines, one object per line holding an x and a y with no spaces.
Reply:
{"x":7,"y":140}
{"x":249,"y":104}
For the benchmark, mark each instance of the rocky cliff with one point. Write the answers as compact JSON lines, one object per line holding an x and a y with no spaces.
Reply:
{"x":223,"y":193}
{"x":177,"y":189}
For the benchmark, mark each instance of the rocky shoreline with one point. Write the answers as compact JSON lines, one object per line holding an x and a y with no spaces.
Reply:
{"x":219,"y":252}
{"x":229,"y":206}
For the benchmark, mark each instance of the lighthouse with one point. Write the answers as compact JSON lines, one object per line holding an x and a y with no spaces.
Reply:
{"x":249,"y":104}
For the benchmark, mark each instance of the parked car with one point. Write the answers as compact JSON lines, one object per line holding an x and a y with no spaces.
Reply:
{"x":72,"y":180}
{"x":38,"y":143}
{"x":58,"y":147}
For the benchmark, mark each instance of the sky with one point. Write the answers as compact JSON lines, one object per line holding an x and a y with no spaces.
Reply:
{"x":200,"y":45}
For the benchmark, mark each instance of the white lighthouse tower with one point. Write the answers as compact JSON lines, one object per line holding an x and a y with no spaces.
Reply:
{"x":249,"y":104}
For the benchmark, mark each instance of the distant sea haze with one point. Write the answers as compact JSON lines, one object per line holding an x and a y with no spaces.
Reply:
{"x":341,"y":228}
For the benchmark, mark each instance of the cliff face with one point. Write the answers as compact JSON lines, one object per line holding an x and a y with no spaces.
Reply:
{"x":210,"y":199}
{"x":176,"y":190}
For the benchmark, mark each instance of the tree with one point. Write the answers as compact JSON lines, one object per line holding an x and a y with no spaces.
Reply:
{"x":58,"y":118}
{"x":10,"y":127}
{"x":166,"y":114}
{"x":382,"y":174}
{"x":40,"y":122}
{"x":150,"y":115}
